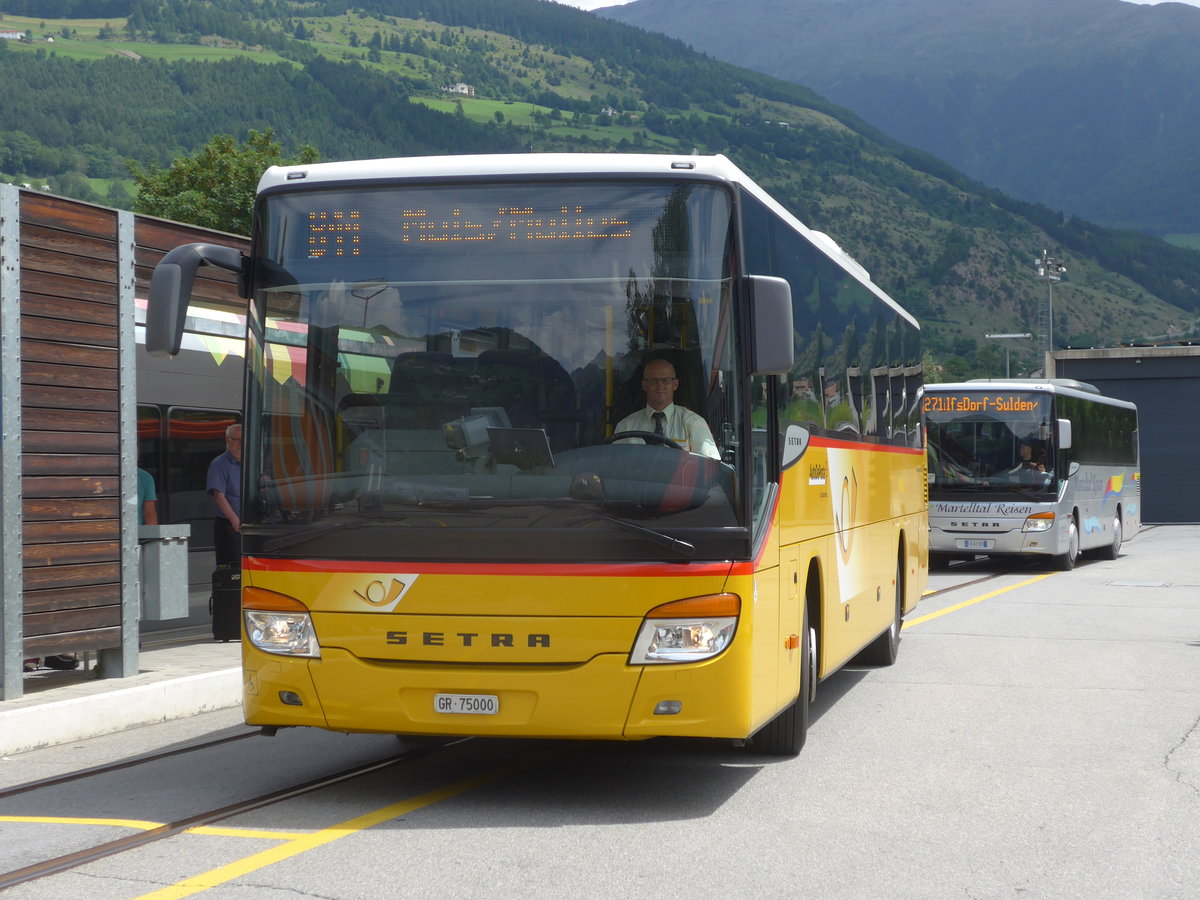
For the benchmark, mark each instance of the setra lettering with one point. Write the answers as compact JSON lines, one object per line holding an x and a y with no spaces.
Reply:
{"x":467,"y":639}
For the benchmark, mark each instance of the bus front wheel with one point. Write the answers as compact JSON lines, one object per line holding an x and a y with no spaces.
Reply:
{"x":785,"y":734}
{"x":1065,"y":562}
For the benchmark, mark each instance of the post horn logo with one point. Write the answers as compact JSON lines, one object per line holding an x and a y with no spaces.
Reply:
{"x":383,"y":596}
{"x":846,"y":515}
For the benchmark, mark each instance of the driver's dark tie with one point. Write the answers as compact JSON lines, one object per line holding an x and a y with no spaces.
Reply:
{"x":659,"y":418}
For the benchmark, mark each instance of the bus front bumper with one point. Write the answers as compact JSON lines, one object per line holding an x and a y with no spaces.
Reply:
{"x":604,"y":698}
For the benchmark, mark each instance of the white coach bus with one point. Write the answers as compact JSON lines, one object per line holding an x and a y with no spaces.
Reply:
{"x":1027,"y":467}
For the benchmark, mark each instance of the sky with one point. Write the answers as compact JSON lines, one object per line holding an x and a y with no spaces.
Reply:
{"x":596,"y":4}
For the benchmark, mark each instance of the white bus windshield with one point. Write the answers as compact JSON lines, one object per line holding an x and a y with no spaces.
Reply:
{"x":996,"y":442}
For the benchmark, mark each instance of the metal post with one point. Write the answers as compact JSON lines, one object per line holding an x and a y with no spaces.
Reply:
{"x":1007,"y":337}
{"x":1052,"y":270}
{"x":123,"y":661}
{"x":12,"y":637}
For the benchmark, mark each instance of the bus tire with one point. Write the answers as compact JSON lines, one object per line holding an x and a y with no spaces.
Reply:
{"x":785,"y":734}
{"x":1113,"y":550}
{"x":1065,"y":562}
{"x":882,"y":651}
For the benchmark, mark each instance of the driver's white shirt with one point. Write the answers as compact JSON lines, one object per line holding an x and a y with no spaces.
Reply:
{"x":683,"y":426}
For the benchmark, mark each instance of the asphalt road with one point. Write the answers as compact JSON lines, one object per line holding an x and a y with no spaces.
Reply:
{"x":1038,"y":738}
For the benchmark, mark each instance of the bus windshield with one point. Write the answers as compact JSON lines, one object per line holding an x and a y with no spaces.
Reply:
{"x":448,"y":365}
{"x":990,"y":443}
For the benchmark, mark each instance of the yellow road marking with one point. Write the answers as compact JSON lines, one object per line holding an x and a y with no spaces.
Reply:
{"x":305,"y":842}
{"x":264,"y":833}
{"x":912,"y":623}
{"x":62,"y":820}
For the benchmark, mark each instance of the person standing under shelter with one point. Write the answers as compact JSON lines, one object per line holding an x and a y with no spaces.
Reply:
{"x":147,"y":498}
{"x":662,"y":416}
{"x":225,"y":486}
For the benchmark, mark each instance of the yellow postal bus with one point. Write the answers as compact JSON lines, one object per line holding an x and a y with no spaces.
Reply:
{"x":461,"y":538}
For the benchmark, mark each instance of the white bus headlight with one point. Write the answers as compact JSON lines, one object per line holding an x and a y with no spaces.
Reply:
{"x":290,"y":634}
{"x":1038,"y":522}
{"x":276,"y":623}
{"x":685,"y":631}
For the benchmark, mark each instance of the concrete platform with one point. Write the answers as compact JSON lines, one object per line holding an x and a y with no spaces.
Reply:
{"x":179,"y":675}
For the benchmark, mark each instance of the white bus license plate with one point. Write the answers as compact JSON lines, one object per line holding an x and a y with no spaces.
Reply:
{"x":975,"y":544}
{"x":469,"y":704}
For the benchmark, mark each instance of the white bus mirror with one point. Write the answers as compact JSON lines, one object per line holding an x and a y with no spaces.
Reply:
{"x":1064,"y":434}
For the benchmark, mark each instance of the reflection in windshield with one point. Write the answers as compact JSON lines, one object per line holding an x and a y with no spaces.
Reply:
{"x":457,"y":385}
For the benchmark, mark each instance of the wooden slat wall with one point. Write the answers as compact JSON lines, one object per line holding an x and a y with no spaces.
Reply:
{"x":70,"y":467}
{"x":70,"y":393}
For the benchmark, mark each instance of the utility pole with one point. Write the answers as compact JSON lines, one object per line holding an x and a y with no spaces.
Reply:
{"x":1052,"y":270}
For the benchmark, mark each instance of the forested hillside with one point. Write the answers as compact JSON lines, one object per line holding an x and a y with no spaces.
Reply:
{"x":149,"y":81}
{"x":1085,"y":105}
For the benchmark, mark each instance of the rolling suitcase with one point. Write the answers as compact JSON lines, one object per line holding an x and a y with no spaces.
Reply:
{"x":226,"y":603}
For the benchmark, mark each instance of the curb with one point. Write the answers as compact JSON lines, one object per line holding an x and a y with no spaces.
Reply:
{"x":49,"y":724}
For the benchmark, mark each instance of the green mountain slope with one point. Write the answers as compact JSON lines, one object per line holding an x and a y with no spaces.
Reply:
{"x":1084,"y":105}
{"x":372,"y":82}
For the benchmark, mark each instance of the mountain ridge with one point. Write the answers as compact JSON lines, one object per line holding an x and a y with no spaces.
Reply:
{"x":957,"y":254}
{"x":1081,"y":105}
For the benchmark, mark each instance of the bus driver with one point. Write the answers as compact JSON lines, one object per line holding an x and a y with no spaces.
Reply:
{"x":662,"y":416}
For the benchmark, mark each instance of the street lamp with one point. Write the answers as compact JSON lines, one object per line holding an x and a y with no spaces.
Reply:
{"x":1052,"y":270}
{"x":1007,"y":337}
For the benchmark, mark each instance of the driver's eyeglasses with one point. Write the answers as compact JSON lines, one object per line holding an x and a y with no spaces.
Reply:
{"x":658,"y":380}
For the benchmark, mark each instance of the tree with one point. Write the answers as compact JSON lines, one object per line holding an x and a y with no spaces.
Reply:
{"x":216,"y":187}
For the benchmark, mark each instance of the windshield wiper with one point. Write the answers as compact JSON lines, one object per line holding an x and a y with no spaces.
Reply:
{"x":683,"y":548}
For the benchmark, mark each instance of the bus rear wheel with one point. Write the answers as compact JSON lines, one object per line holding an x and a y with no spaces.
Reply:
{"x":882,"y":651}
{"x":785,"y":734}
{"x":1113,"y":550}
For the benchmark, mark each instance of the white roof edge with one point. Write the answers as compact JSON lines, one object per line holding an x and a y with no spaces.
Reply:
{"x":500,"y":164}
{"x":506,"y":164}
{"x":1049,"y":386}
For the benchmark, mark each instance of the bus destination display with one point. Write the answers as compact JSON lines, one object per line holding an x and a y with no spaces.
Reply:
{"x":344,"y":232}
{"x":979,"y":403}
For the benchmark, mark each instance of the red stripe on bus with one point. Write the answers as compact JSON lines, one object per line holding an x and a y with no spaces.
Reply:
{"x":599,"y":570}
{"x":838,"y":444}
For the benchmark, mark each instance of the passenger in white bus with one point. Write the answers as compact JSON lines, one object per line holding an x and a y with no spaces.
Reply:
{"x":662,"y":416}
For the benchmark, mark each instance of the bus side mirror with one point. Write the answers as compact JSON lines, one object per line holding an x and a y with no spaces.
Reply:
{"x":770,"y":302}
{"x":1064,"y":434}
{"x":171,"y":289}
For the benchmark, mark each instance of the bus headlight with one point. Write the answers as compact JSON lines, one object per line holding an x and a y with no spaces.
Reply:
{"x":1042,"y":521}
{"x":290,"y":634}
{"x":686,"y":631}
{"x":276,"y":623}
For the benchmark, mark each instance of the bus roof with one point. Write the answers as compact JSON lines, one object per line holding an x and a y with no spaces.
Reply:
{"x":716,"y":168}
{"x":1067,"y":386}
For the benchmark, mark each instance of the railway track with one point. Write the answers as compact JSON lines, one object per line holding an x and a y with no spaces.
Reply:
{"x":66,"y":862}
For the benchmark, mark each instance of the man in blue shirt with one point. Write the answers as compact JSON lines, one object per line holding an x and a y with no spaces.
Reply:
{"x":225,"y":487}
